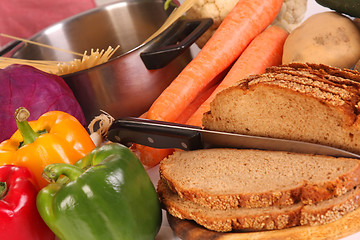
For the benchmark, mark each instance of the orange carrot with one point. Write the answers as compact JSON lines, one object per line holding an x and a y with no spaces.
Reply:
{"x":194,"y":105}
{"x":149,"y":156}
{"x":247,"y":19}
{"x":143,"y":115}
{"x":264,"y":51}
{"x":201,"y":98}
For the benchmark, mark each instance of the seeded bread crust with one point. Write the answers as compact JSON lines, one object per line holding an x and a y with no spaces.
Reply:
{"x":307,"y":102}
{"x":235,"y":178}
{"x":269,"y":218}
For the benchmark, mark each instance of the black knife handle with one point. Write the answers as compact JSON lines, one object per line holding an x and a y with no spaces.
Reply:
{"x":156,"y":134}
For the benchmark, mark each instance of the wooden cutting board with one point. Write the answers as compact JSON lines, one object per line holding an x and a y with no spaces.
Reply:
{"x":349,"y":224}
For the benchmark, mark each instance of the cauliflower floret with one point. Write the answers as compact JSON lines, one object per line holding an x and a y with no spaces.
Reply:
{"x":215,"y":9}
{"x":290,"y":16}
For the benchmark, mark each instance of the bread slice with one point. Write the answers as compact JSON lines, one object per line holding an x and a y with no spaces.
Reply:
{"x":306,"y":102}
{"x":233,"y":178}
{"x":269,"y":218}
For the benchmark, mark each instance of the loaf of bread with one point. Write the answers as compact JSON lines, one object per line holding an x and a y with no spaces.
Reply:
{"x":233,"y":178}
{"x":307,"y":102}
{"x":269,"y":218}
{"x":232,"y":189}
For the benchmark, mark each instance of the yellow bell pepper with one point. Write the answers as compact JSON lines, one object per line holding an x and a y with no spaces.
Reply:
{"x":56,"y":137}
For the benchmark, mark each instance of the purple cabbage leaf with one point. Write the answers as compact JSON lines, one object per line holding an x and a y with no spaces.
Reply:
{"x":38,"y":91}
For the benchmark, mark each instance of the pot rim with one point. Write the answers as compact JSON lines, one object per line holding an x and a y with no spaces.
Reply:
{"x":89,"y":12}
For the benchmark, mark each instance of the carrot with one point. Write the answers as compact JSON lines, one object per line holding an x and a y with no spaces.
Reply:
{"x":143,"y":115}
{"x":264,"y":51}
{"x":201,"y":98}
{"x":247,"y":19}
{"x":194,"y":105}
{"x":149,"y":156}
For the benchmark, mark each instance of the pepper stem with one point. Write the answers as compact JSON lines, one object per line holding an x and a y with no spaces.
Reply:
{"x":53,"y":171}
{"x":3,"y":189}
{"x":28,"y":134}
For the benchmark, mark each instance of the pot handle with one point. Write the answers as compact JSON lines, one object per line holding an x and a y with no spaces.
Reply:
{"x":173,"y":42}
{"x":8,"y":47}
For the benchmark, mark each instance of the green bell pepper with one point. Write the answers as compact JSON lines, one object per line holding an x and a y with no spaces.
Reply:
{"x":106,"y":195}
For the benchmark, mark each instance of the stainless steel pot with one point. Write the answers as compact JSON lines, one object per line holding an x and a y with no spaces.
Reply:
{"x":128,"y":84}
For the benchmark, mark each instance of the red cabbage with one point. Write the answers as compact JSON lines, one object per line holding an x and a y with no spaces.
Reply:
{"x":38,"y":91}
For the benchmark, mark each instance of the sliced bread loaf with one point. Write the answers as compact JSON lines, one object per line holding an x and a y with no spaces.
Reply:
{"x":269,"y":218}
{"x":233,"y":178}
{"x":306,"y":102}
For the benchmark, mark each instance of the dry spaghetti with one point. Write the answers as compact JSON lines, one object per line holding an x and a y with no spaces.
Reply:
{"x":175,"y":15}
{"x":95,"y":58}
{"x":46,"y":66}
{"x":62,"y":68}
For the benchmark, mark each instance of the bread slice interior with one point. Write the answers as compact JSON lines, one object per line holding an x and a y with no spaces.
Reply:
{"x":233,"y":178}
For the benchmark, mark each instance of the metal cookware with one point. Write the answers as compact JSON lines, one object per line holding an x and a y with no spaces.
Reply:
{"x":137,"y":74}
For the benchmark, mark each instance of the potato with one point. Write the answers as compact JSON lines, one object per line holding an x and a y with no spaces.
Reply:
{"x":357,"y":66}
{"x":328,"y":38}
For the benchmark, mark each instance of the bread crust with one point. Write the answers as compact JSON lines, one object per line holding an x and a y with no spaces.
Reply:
{"x":270,"y":218}
{"x":227,"y":220}
{"x":271,"y":198}
{"x":191,"y":186}
{"x":306,"y":102}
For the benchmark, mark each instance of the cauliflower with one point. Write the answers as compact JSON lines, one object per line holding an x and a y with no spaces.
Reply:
{"x":290,"y":16}
{"x":215,"y":9}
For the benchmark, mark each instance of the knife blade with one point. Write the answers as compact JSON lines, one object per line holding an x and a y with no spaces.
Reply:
{"x":160,"y":134}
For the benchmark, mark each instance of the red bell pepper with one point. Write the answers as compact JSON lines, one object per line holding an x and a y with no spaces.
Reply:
{"x":19,"y":218}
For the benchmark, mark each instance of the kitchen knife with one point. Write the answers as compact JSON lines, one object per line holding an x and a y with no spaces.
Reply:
{"x":159,"y":134}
